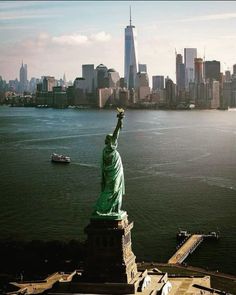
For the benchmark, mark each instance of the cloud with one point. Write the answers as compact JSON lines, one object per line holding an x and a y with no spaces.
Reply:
{"x":101,"y":37}
{"x":31,"y":46}
{"x":53,"y":59}
{"x":13,"y":27}
{"x":74,"y":39}
{"x":77,"y":39}
{"x":209,"y":17}
{"x":17,"y":16}
{"x":228,"y":37}
{"x":199,"y":18}
{"x":4,"y":5}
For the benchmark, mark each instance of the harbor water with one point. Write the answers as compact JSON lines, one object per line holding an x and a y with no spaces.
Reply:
{"x":179,"y":166}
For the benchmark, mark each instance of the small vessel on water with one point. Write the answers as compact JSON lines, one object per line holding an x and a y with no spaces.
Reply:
{"x":60,"y":158}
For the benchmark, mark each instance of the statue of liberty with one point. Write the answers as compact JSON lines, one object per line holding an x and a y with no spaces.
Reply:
{"x":112,"y":186}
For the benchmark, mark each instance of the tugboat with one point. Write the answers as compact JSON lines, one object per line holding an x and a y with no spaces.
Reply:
{"x":60,"y":158}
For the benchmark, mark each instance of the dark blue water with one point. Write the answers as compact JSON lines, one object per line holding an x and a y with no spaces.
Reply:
{"x":180,"y":172}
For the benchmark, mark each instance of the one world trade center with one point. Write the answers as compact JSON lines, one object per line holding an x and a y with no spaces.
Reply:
{"x":131,"y":55}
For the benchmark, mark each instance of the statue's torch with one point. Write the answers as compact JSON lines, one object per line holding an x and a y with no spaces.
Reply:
{"x":120,"y":115}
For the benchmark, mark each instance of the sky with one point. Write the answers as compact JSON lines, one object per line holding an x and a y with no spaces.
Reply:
{"x":57,"y":37}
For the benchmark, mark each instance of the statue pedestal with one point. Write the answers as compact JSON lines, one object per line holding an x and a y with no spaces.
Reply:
{"x":109,"y":254}
{"x":110,"y":266}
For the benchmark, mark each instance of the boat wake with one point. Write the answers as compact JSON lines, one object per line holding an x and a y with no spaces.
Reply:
{"x":220,"y":182}
{"x":210,"y":180}
{"x":85,"y":165}
{"x":154,"y":130}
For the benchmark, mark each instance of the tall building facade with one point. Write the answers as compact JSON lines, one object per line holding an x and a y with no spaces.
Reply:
{"x":234,"y":69}
{"x":189,"y":55}
{"x":170,"y":93}
{"x":142,"y":68}
{"x":198,"y":70}
{"x":113,"y":78}
{"x":48,"y":83}
{"x":227,"y":76}
{"x":23,"y":78}
{"x":212,"y":70}
{"x":131,"y":56}
{"x":180,"y":73}
{"x":88,"y":75}
{"x":80,"y":83}
{"x":157,"y":82}
{"x":142,"y":86}
{"x":215,"y":91}
{"x":101,"y":76}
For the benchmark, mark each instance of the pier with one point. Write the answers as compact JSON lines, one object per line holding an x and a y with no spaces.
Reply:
{"x":189,"y":243}
{"x":187,"y":248}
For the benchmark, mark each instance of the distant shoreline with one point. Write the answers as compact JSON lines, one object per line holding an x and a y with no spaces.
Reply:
{"x":145,"y":106}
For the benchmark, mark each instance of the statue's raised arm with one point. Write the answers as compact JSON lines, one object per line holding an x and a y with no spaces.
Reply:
{"x":119,"y":125}
{"x":113,"y":186}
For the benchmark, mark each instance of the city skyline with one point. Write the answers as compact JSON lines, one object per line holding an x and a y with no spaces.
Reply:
{"x":54,"y":38}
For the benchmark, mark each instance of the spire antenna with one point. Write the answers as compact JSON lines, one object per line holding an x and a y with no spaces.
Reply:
{"x":130,"y":20}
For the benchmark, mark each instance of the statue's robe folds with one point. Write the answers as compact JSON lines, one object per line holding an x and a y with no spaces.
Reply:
{"x":113,"y":186}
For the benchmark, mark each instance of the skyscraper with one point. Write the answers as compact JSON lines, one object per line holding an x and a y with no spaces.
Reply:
{"x":142,"y":86}
{"x":212,"y":70}
{"x":88,"y":74}
{"x":131,"y":59}
{"x":170,"y":93}
{"x":189,"y":55}
{"x":227,"y":76}
{"x":157,"y":82}
{"x":23,"y":77}
{"x":48,"y":83}
{"x":113,"y":78}
{"x":101,"y":76}
{"x":142,"y":68}
{"x":234,"y":69}
{"x":180,"y":73}
{"x":198,"y":70}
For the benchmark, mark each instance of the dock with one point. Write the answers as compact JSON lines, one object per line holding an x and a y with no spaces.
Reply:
{"x":187,"y":248}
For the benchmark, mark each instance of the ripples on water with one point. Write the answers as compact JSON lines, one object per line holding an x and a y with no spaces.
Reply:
{"x":179,"y":171}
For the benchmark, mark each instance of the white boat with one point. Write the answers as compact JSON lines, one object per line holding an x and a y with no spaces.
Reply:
{"x":60,"y":158}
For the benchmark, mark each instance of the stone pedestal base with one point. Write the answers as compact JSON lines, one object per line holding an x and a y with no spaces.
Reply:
{"x":109,"y":255}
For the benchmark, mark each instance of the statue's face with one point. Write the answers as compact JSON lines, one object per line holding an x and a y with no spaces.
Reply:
{"x":108,"y":139}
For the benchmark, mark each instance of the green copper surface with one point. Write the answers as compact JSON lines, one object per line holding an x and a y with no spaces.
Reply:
{"x":112,"y":216}
{"x":113,"y":185}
